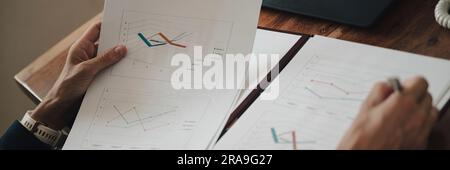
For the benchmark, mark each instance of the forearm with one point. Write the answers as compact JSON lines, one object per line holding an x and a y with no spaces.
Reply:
{"x":46,"y":112}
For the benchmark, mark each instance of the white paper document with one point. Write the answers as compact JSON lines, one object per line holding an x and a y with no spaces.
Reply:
{"x":133,"y":105}
{"x":322,"y":89}
{"x":266,"y":43}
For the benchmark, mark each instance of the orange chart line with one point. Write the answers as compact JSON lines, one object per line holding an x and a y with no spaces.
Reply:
{"x":332,"y":85}
{"x":170,"y":42}
{"x":347,"y":92}
{"x":294,"y":140}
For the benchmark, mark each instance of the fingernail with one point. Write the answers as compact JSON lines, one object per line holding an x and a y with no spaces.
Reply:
{"x":120,"y":49}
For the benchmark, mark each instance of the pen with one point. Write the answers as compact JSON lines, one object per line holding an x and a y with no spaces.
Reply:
{"x":395,"y":84}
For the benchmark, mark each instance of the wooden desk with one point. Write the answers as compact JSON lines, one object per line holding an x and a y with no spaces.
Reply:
{"x":409,"y":25}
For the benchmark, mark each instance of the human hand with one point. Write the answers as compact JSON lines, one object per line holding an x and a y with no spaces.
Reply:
{"x":58,"y":109}
{"x":393,"y":120}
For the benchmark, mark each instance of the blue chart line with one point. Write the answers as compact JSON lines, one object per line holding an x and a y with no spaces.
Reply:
{"x":167,"y":41}
{"x":331,"y":98}
{"x":292,"y":138}
{"x":274,"y":135}
{"x":139,"y":121}
{"x":278,"y":138}
{"x":147,"y":42}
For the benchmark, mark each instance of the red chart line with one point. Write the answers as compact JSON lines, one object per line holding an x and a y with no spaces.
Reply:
{"x":347,"y":92}
{"x":121,"y":115}
{"x":294,"y":140}
{"x":166,"y":39}
{"x":170,"y":41}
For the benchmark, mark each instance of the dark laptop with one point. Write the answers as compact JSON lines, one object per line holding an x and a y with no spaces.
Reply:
{"x":361,"y":13}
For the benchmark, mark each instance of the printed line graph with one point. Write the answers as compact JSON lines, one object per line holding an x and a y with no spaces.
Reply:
{"x":165,"y":41}
{"x":320,"y":82}
{"x":147,"y":41}
{"x":126,"y":119}
{"x":332,"y":98}
{"x":317,"y":106}
{"x":152,"y":41}
{"x":124,"y":114}
{"x":286,"y":131}
{"x":130,"y":118}
{"x":345,"y":91}
{"x":289,"y":137}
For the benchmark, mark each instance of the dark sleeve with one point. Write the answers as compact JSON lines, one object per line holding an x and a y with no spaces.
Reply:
{"x":18,"y":137}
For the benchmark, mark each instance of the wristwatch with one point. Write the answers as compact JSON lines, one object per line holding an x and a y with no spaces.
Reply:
{"x":54,"y":138}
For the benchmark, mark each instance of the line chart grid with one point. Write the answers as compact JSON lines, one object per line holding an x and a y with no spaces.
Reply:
{"x":153,"y":39}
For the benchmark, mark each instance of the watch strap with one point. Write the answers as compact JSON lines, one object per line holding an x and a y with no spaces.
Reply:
{"x":41,"y":131}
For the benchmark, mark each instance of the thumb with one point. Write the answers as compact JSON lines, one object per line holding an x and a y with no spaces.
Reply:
{"x":109,"y":58}
{"x":379,"y":93}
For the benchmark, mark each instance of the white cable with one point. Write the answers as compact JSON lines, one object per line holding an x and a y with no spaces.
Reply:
{"x":442,"y":13}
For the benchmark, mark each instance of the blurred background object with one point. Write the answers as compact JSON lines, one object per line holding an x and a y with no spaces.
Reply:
{"x":442,"y":13}
{"x":362,"y":13}
{"x":28,"y":29}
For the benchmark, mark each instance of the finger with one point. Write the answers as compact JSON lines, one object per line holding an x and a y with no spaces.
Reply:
{"x":379,"y":93}
{"x":430,"y":114}
{"x":96,"y":47}
{"x":422,"y":115}
{"x":417,"y":87}
{"x":92,"y":33}
{"x":429,"y":123}
{"x":109,"y":58}
{"x":433,"y":118}
{"x":420,"y":123}
{"x":427,"y":103}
